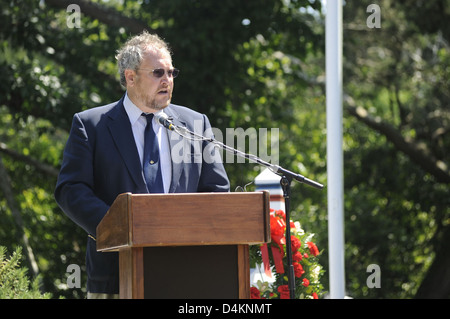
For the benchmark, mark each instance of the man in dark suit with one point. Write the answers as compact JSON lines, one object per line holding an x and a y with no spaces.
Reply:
{"x":106,"y":155}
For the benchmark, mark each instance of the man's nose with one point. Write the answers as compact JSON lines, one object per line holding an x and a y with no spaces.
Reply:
{"x":166,"y":78}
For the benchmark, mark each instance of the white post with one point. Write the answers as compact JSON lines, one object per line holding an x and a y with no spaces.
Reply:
{"x":268,"y":180}
{"x":335,"y":194}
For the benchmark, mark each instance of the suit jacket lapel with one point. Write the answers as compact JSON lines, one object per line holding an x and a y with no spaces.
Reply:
{"x":122,"y":134}
{"x":174,"y":140}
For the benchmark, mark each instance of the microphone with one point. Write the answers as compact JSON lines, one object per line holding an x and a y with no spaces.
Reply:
{"x":163,"y":119}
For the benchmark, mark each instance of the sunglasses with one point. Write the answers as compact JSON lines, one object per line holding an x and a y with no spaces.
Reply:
{"x":159,"y":73}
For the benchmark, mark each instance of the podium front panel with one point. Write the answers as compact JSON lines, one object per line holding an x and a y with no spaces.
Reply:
{"x":192,"y":272}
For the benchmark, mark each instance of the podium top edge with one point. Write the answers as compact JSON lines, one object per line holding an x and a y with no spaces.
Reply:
{"x":196,"y":194}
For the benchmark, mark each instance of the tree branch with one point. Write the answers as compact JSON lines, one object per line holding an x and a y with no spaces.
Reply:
{"x":44,"y":168}
{"x":417,"y":152}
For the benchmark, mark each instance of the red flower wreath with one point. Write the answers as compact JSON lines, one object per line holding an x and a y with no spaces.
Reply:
{"x":306,"y":268}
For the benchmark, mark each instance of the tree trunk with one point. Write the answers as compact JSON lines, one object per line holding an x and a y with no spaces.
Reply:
{"x":436,"y":283}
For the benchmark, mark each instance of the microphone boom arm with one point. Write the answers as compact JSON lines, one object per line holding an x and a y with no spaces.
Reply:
{"x":274,"y":168}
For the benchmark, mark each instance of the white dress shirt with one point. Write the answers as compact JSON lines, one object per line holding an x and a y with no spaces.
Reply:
{"x":138,"y":124}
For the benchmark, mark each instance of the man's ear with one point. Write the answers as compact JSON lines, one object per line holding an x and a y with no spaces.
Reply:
{"x":130,"y":77}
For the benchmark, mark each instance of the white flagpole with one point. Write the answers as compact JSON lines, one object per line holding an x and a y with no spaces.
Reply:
{"x":335,"y":194}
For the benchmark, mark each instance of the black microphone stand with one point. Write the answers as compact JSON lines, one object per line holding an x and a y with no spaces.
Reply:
{"x":285,"y":182}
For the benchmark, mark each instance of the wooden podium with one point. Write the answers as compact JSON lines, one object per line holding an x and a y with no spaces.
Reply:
{"x":192,"y":245}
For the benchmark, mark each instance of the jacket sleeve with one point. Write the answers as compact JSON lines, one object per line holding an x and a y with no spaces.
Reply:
{"x":74,"y":189}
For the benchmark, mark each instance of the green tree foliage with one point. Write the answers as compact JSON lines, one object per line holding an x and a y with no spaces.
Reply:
{"x":14,"y":283}
{"x":396,"y":147}
{"x":247,"y":64}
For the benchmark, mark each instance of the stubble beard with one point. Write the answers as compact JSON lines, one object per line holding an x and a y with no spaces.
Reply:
{"x":159,"y":106}
{"x":153,"y":103}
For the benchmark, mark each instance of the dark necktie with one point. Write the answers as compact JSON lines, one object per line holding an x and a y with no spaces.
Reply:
{"x":151,"y":163}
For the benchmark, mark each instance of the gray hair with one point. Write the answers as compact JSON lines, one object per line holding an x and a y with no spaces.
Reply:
{"x":130,"y":55}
